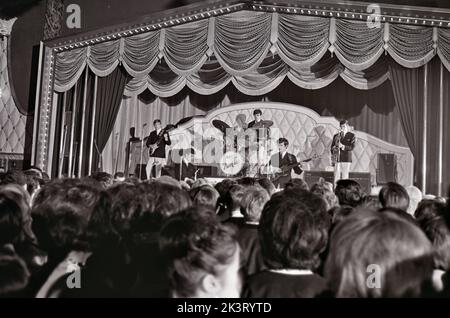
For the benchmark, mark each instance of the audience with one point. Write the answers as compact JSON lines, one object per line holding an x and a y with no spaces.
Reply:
{"x":240,"y":238}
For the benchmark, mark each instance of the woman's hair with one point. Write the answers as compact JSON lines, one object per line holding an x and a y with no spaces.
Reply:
{"x":368,"y":241}
{"x":393,"y":195}
{"x":349,"y":192}
{"x":293,"y":230}
{"x":194,"y":243}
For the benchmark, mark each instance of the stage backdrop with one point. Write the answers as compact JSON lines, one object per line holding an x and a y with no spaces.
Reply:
{"x":256,"y":49}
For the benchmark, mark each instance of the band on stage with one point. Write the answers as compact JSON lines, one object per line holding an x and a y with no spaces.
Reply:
{"x":252,"y":140}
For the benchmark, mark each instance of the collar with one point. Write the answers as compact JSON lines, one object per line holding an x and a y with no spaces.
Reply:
{"x":292,"y":271}
{"x":236,"y":214}
{"x":252,"y":223}
{"x":283,"y":154}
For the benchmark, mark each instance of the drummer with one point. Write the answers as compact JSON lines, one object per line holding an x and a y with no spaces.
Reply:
{"x":257,"y":113}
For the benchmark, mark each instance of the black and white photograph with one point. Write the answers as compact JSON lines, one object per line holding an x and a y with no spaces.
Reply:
{"x":238,"y":151}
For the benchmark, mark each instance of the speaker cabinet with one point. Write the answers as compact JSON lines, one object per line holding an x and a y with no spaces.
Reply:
{"x":387,"y":168}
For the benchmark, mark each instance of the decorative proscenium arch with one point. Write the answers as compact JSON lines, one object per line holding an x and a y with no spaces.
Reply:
{"x":115,"y":45}
{"x":309,"y":134}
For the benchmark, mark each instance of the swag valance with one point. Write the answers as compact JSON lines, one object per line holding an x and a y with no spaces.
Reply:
{"x":256,"y":51}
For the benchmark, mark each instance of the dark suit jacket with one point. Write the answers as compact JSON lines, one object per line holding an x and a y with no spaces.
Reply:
{"x":349,"y":142}
{"x":280,"y":162}
{"x":268,"y":284}
{"x":160,"y":152}
{"x":252,"y":259}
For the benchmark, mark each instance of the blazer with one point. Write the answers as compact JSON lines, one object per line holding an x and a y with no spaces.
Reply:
{"x":160,"y":152}
{"x":289,"y":159}
{"x":345,"y":155}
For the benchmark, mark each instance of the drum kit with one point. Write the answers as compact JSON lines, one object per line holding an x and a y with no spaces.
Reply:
{"x":245,"y":141}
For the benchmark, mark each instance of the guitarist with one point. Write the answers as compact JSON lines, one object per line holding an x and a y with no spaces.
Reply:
{"x":284,"y":162}
{"x":157,"y":142}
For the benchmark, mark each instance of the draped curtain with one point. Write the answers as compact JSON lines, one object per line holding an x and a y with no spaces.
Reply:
{"x":109,"y":98}
{"x":255,"y":51}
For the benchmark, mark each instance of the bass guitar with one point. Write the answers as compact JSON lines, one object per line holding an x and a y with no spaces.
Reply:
{"x":283,"y":175}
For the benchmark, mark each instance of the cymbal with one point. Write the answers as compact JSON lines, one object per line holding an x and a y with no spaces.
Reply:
{"x":222,"y":126}
{"x":263,"y":124}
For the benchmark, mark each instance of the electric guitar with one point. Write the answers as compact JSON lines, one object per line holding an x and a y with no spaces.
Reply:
{"x":285,"y":170}
{"x":160,"y":138}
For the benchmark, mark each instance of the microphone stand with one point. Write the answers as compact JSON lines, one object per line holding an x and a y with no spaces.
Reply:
{"x":142,"y":151}
{"x":100,"y":160}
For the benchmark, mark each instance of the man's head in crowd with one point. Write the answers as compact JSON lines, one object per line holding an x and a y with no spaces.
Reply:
{"x":205,"y":195}
{"x":61,"y":212}
{"x":293,"y":231}
{"x":257,"y":113}
{"x":393,"y":195}
{"x":105,"y":179}
{"x":267,"y":185}
{"x":349,"y":192}
{"x":202,"y":255}
{"x":390,"y":242}
{"x":297,"y":184}
{"x":324,"y":190}
{"x":253,"y":203}
{"x":15,"y":211}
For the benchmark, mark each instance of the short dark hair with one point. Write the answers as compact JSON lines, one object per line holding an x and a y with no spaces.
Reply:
{"x":11,"y":220}
{"x":156,"y":121}
{"x":439,"y":234}
{"x":428,"y":210}
{"x":104,"y":178}
{"x":195,"y":243}
{"x":283,"y":141}
{"x":296,"y":184}
{"x":393,"y":195}
{"x":61,"y":212}
{"x":293,"y":231}
{"x":14,"y":276}
{"x":13,"y":176}
{"x":349,"y":192}
{"x":343,"y":122}
{"x":257,"y":112}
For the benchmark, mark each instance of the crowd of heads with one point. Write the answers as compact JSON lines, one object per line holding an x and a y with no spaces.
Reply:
{"x":237,"y":238}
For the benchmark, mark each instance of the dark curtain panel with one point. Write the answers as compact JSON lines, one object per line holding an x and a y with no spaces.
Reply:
{"x":408,"y":88}
{"x":109,"y":97}
{"x":407,"y":85}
